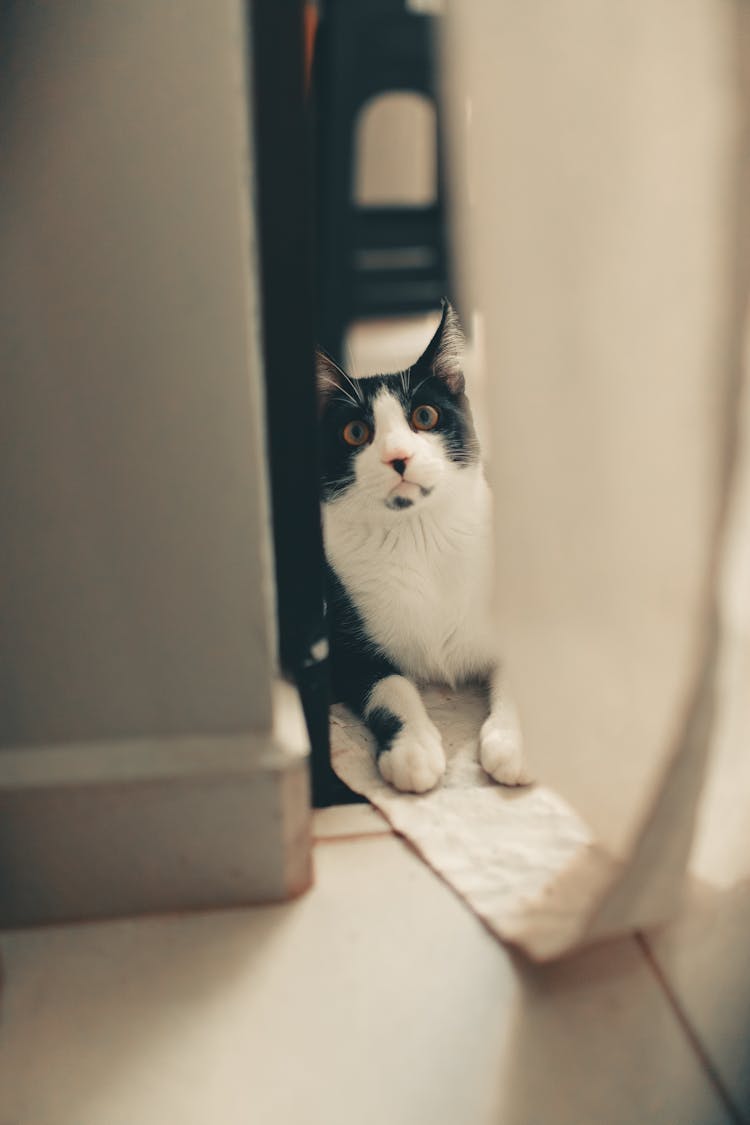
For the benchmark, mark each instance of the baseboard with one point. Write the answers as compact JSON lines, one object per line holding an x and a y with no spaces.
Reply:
{"x":155,"y":825}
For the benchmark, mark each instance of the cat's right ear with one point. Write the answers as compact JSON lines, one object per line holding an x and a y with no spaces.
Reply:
{"x":329,"y":377}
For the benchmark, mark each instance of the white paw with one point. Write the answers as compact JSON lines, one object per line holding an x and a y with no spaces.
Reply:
{"x":415,"y":761}
{"x":501,"y":751}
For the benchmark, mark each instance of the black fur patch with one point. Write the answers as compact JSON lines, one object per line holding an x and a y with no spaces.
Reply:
{"x":357,"y":664}
{"x":385,"y":726}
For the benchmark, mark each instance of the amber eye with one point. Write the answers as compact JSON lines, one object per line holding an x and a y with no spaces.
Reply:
{"x":356,"y":433}
{"x":425,"y":418}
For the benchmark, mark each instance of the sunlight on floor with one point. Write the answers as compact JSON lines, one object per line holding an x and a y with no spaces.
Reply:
{"x":375,"y":998}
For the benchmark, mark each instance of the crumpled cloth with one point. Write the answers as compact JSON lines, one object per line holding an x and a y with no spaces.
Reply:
{"x":504,"y":851}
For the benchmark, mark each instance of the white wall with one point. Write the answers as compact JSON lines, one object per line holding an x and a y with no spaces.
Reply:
{"x":136,"y":590}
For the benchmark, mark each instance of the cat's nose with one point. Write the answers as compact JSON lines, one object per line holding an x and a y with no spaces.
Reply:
{"x":398,"y":463}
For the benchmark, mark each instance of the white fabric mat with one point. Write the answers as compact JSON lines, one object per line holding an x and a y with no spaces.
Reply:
{"x":506,"y":852}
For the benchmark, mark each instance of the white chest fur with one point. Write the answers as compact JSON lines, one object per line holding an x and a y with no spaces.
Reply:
{"x":420,"y":579}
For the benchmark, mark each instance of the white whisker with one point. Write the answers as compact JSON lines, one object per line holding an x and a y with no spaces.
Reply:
{"x":406,"y":379}
{"x":355,"y":386}
{"x":350,"y":359}
{"x":421,"y":383}
{"x":334,"y":383}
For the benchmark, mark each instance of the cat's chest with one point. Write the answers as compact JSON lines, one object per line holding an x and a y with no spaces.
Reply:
{"x":422,"y":596}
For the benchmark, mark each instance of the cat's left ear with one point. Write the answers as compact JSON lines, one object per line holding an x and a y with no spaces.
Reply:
{"x":444,"y":353}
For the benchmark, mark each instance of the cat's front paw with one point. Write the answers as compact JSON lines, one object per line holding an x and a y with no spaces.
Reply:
{"x":415,"y":761}
{"x":501,"y":751}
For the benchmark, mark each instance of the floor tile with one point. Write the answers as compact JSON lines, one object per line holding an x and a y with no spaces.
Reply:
{"x":376,"y":998}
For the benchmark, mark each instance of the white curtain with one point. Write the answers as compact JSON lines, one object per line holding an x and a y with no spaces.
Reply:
{"x":599,"y":162}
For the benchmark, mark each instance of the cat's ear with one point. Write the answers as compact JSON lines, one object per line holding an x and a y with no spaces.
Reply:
{"x":444,"y":353}
{"x":329,"y":378}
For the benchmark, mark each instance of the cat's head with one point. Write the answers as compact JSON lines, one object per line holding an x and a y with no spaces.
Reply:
{"x":394,"y":443}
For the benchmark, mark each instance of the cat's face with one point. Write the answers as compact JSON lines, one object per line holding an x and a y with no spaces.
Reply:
{"x":394,"y":443}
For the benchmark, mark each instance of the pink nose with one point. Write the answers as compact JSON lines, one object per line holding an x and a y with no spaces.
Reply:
{"x":398,"y":460}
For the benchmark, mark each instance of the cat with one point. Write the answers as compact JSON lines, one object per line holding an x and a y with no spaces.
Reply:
{"x":406,"y":513}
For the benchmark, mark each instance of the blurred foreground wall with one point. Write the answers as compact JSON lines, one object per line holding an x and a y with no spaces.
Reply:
{"x":136,"y":599}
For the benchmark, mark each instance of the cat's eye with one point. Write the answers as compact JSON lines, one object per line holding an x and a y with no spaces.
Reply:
{"x":425,"y":418}
{"x":356,"y":433}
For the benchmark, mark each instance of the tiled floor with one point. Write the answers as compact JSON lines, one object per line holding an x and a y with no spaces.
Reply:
{"x":376,"y":998}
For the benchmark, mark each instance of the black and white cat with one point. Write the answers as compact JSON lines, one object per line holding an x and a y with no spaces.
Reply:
{"x":406,"y":520}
